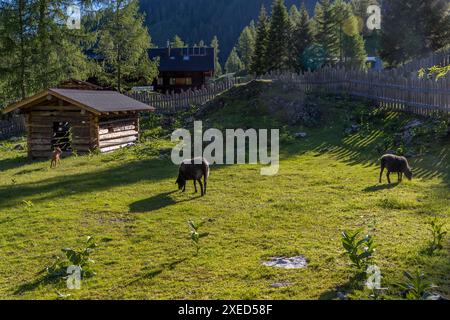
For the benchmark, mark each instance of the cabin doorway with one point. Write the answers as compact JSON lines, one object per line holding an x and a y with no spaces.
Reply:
{"x":62,"y":136}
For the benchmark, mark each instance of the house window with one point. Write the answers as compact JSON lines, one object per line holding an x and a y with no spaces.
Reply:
{"x":188,"y":81}
{"x":173,"y":81}
{"x":181,"y":81}
{"x":62,"y":136}
{"x":160,"y":81}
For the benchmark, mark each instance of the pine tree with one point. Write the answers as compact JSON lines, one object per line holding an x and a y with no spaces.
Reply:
{"x":325,"y":30}
{"x":259,"y":65}
{"x":294,"y":15}
{"x":302,"y":37}
{"x":123,"y":44}
{"x":351,"y":44}
{"x":403,"y":31}
{"x":233,"y":64}
{"x":59,"y":49}
{"x":177,"y":42}
{"x":278,"y":53}
{"x":437,"y":24}
{"x":246,"y":47}
{"x":215,"y":45}
{"x":16,"y":21}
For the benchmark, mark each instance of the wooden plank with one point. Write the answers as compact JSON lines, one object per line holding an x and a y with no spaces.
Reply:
{"x":114,"y":142}
{"x":115,"y":135}
{"x":107,"y":122}
{"x":117,"y":129}
{"x":54,"y":108}
{"x":109,"y":149}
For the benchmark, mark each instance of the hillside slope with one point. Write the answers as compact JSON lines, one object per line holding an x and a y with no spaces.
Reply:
{"x":195,"y":20}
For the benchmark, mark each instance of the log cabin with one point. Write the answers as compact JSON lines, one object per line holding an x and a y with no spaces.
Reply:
{"x":183,"y":68}
{"x":79,"y":118}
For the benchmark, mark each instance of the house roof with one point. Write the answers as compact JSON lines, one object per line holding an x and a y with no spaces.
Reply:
{"x":95,"y":101}
{"x":184,"y":59}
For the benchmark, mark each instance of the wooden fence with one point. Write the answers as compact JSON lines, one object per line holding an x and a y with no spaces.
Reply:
{"x":438,"y":58}
{"x":14,"y":127}
{"x":174,"y":102}
{"x":390,"y":88}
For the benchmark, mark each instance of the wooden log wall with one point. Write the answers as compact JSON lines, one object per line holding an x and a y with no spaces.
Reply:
{"x":115,"y":132}
{"x":40,"y":120}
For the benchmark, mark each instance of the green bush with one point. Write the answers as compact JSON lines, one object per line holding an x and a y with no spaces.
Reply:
{"x":360,"y":251}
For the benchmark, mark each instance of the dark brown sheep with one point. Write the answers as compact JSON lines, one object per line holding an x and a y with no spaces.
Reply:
{"x":190,"y":170}
{"x":395,"y":164}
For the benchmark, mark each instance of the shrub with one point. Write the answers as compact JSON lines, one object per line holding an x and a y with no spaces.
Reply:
{"x":416,"y":287}
{"x":360,"y":251}
{"x":438,"y":233}
{"x":195,"y":235}
{"x":80,"y":258}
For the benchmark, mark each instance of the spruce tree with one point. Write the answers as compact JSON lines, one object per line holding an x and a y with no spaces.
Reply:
{"x":403,"y":31}
{"x":215,"y":45}
{"x":177,"y":42}
{"x":123,"y":44}
{"x":294,"y":15}
{"x":59,"y":53}
{"x":436,"y":15}
{"x":259,"y":65}
{"x":234,"y":63}
{"x":16,"y":20}
{"x":325,"y":30}
{"x":246,"y":47}
{"x":302,"y":37}
{"x":278,"y":53}
{"x":351,"y":44}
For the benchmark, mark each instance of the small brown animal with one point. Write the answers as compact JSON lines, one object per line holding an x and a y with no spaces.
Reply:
{"x":395,"y":164}
{"x":56,"y":157}
{"x":193,"y":169}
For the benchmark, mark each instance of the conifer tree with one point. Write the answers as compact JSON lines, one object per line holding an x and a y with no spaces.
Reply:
{"x":294,"y":15}
{"x":123,"y":44}
{"x":16,"y":20}
{"x":259,"y":65}
{"x":246,"y":47}
{"x":351,"y":44}
{"x":215,"y":45}
{"x":234,"y":63}
{"x":278,"y":53}
{"x":325,"y":30}
{"x":302,"y":37}
{"x":177,"y":42}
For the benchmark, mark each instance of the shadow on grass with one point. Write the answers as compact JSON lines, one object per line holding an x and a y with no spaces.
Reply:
{"x":157,"y":271}
{"x":122,"y":175}
{"x":379,"y":187}
{"x":356,"y":282}
{"x":361,"y":150}
{"x":156,"y":202}
{"x":43,"y":279}
{"x":12,"y":163}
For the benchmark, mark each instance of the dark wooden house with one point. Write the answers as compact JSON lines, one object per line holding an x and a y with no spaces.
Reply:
{"x":183,"y":68}
{"x":79,"y":117}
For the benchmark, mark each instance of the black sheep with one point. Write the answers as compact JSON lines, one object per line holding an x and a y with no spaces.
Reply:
{"x":190,"y":170}
{"x":395,"y":164}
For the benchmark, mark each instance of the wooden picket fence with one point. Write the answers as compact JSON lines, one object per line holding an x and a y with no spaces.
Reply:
{"x":14,"y":127}
{"x":438,"y":58}
{"x":174,"y":102}
{"x":390,"y":88}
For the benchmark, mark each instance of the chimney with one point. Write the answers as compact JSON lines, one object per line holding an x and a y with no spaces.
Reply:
{"x":168,"y":48}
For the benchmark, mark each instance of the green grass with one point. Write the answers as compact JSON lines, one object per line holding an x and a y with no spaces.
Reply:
{"x":128,"y":201}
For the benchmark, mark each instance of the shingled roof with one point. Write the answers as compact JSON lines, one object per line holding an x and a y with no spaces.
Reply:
{"x":95,"y":101}
{"x":184,"y":59}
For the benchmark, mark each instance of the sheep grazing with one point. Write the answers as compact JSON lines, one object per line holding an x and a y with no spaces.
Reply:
{"x":395,"y":164}
{"x":190,"y":170}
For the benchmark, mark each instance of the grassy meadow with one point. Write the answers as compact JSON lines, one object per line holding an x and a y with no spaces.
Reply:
{"x":129,"y":203}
